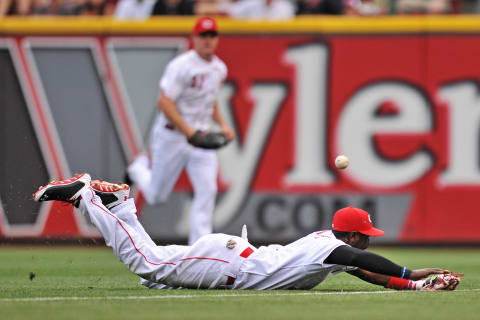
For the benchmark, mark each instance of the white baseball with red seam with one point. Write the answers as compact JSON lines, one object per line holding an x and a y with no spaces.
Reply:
{"x":341,"y":161}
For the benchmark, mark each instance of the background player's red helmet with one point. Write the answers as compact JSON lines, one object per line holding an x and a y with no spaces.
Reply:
{"x":205,"y":24}
{"x":351,"y":219}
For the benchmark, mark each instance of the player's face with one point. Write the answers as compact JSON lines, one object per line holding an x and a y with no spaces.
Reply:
{"x":363,"y":241}
{"x":206,"y":44}
{"x":359,"y":241}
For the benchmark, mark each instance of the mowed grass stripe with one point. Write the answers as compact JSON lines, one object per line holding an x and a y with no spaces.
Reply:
{"x":193,"y":296}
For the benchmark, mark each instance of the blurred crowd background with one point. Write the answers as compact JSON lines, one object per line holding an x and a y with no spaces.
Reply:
{"x":241,"y":9}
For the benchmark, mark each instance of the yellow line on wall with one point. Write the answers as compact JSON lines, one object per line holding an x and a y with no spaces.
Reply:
{"x":183,"y":25}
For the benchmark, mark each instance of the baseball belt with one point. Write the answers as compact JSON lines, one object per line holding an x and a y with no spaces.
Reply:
{"x":235,"y":266}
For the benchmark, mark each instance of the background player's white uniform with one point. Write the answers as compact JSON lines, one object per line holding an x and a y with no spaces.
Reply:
{"x":193,"y":84}
{"x":210,"y":263}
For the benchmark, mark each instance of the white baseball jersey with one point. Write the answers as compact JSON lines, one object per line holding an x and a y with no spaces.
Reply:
{"x":193,"y":84}
{"x":215,"y":260}
{"x":299,"y":265}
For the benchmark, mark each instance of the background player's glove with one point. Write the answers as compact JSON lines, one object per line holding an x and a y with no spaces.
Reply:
{"x":208,"y":140}
{"x":438,"y":282}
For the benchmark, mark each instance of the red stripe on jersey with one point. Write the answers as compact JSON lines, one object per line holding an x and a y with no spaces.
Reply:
{"x":246,"y":253}
{"x":203,"y":258}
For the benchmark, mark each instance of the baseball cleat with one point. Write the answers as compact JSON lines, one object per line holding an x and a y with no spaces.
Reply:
{"x":64,"y":190}
{"x":111,"y":194}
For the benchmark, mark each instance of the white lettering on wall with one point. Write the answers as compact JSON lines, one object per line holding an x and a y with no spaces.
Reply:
{"x":311,"y":63}
{"x":358,"y":125}
{"x":464,"y":123}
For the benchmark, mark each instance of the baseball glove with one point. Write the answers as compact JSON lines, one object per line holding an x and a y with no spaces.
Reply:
{"x":208,"y":140}
{"x":440,"y":282}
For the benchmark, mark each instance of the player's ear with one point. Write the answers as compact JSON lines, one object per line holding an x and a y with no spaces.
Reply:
{"x":356,"y":237}
{"x":352,"y":237}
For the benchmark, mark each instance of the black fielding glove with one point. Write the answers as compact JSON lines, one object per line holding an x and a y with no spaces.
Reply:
{"x":208,"y":140}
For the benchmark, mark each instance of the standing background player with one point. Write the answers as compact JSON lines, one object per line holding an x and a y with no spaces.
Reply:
{"x":188,"y":103}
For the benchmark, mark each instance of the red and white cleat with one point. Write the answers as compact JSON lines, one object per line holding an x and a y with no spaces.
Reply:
{"x":64,"y":190}
{"x":111,"y":194}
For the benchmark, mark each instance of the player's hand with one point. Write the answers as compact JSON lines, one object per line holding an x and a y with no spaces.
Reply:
{"x":189,"y":132}
{"x":423,"y":273}
{"x":227,"y":132}
{"x":453,"y":284}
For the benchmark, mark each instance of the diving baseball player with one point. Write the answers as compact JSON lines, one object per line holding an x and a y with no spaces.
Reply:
{"x":180,"y":138}
{"x":230,"y":262}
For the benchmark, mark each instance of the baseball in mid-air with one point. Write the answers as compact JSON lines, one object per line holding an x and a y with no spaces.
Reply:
{"x":341,"y":161}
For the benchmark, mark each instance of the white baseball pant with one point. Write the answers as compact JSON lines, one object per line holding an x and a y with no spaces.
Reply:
{"x":208,"y":264}
{"x":170,"y":154}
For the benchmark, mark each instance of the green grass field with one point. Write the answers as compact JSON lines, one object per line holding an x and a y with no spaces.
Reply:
{"x":89,"y":283}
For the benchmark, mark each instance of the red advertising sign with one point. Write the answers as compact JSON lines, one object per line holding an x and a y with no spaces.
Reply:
{"x":405,"y":109}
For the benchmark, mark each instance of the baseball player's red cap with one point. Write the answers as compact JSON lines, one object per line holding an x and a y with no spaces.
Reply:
{"x":351,"y":219}
{"x":205,"y":24}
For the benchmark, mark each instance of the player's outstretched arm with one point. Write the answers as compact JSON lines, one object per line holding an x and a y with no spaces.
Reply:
{"x":371,"y":277}
{"x":378,"y":270}
{"x":423,"y":273}
{"x":445,"y":281}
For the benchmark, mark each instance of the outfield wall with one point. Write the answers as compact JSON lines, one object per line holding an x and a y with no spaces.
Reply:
{"x":399,"y":96}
